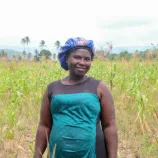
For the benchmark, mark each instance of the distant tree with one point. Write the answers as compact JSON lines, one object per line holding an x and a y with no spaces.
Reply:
{"x":36,"y":56}
{"x":14,"y":57}
{"x":27,"y":41}
{"x":3,"y":54}
{"x":36,"y":52}
{"x":24,"y":55}
{"x":125,"y":55}
{"x":113,"y":56}
{"x":23,"y":42}
{"x":46,"y":53}
{"x":155,"y":53}
{"x":29,"y":56}
{"x":150,"y":54}
{"x":54,"y":56}
{"x":57,"y":44}
{"x":142,"y":55}
{"x":19,"y":57}
{"x":42,"y":44}
{"x":135,"y":55}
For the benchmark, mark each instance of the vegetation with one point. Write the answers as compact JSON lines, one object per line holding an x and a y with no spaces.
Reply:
{"x":2,"y":54}
{"x":57,"y":44}
{"x":42,"y":44}
{"x":132,"y":78}
{"x":133,"y":83}
{"x":45,"y":53}
{"x":107,"y":54}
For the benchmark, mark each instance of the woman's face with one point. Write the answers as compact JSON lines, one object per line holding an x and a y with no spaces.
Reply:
{"x":79,"y":62}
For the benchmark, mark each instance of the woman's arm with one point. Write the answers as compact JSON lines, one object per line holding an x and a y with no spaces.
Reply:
{"x":108,"y":120}
{"x":44,"y":127}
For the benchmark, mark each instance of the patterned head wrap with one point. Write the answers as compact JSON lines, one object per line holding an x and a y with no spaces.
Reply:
{"x":73,"y":44}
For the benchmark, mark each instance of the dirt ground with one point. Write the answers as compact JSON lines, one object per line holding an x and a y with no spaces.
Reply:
{"x":21,"y":148}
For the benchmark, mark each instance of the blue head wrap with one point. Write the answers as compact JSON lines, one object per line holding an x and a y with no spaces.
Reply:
{"x":73,"y":43}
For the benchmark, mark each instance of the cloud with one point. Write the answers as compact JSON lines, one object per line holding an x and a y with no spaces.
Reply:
{"x":58,"y":20}
{"x":123,"y":22}
{"x":129,"y":30}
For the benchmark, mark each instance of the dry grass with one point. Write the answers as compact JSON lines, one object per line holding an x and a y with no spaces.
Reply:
{"x":134,"y":86}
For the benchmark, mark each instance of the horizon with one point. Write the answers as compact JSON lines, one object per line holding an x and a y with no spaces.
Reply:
{"x":115,"y":50}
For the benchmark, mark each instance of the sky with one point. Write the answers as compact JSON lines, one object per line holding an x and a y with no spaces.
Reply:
{"x":121,"y":22}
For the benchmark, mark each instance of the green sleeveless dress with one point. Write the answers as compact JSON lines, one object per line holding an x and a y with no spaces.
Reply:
{"x":76,"y":130}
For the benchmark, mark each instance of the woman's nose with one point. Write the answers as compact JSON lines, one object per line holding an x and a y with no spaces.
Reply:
{"x":82,"y":61}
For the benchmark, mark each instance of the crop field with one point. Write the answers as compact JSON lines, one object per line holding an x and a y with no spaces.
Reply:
{"x":134,"y":86}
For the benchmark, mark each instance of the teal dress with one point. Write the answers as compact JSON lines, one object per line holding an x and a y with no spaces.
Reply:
{"x":75,"y":113}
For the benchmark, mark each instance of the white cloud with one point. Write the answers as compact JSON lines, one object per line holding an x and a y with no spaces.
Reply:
{"x":129,"y":31}
{"x":99,"y":20}
{"x":125,"y":22}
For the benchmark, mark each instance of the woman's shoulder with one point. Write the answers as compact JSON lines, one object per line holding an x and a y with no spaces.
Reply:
{"x":94,"y":80}
{"x":103,"y":89}
{"x":51,"y":87}
{"x":97,"y":81}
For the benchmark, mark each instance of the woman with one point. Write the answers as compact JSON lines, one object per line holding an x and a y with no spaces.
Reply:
{"x":77,"y":112}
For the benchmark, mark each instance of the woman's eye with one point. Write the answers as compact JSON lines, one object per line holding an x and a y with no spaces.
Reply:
{"x":87,"y":59}
{"x":77,"y":57}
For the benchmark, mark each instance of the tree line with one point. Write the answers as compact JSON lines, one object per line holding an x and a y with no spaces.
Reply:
{"x":139,"y":55}
{"x":44,"y":53}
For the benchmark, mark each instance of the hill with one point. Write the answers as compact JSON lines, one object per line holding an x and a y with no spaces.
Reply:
{"x":15,"y":50}
{"x":10,"y":52}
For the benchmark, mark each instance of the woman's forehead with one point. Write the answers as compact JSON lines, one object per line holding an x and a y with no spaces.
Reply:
{"x":82,"y":51}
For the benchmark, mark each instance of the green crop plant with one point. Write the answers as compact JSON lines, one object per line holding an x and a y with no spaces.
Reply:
{"x":134,"y":86}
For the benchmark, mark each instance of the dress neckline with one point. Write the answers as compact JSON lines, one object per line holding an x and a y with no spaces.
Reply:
{"x":75,"y":83}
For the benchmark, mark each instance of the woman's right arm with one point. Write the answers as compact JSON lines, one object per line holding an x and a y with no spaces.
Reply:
{"x":44,"y":127}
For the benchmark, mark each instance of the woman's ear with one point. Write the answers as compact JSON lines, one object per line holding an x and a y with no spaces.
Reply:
{"x":67,"y":56}
{"x":66,"y":59}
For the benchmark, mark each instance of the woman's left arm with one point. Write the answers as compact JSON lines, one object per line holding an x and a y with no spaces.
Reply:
{"x":108,"y":119}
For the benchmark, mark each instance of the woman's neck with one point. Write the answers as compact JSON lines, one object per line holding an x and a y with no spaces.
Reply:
{"x":74,"y":79}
